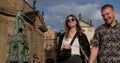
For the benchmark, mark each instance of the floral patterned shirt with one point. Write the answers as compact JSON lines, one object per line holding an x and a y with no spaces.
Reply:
{"x":107,"y":39}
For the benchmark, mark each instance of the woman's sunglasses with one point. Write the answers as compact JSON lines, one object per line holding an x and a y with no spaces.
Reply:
{"x":72,"y":19}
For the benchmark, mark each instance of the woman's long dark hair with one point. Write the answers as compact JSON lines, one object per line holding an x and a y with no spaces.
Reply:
{"x":67,"y":28}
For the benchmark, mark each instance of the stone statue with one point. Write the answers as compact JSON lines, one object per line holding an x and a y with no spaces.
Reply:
{"x":18,"y":49}
{"x":19,"y":22}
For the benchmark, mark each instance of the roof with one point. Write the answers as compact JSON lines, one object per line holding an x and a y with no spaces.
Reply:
{"x":84,"y":23}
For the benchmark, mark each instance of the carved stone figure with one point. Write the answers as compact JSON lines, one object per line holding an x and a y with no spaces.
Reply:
{"x":18,"y":49}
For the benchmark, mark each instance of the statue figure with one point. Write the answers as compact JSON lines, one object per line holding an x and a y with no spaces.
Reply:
{"x":18,"y":49}
{"x":19,"y":22}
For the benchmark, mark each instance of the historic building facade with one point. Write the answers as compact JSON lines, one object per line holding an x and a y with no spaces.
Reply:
{"x":34,"y":29}
{"x":50,"y":38}
{"x":87,"y":27}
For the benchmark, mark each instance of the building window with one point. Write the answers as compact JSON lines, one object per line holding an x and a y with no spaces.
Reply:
{"x":48,"y":46}
{"x":48,"y":37}
{"x":48,"y":54}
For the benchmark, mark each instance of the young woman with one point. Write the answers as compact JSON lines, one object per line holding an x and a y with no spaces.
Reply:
{"x":80,"y":43}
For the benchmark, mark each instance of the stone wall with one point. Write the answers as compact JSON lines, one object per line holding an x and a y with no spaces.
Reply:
{"x":8,"y":10}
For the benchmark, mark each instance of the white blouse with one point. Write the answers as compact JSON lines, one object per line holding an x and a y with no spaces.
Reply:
{"x":75,"y":46}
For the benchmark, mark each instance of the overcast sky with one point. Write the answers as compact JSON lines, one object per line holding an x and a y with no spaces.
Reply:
{"x":55,"y":11}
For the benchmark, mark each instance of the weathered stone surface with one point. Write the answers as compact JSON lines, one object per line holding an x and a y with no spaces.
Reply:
{"x":8,"y":10}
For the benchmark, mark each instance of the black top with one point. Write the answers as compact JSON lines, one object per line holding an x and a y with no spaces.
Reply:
{"x":83,"y":41}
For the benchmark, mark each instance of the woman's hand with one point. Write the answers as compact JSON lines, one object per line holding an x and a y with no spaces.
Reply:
{"x":67,"y":46}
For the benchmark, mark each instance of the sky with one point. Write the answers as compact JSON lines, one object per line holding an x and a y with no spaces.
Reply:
{"x":55,"y":11}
